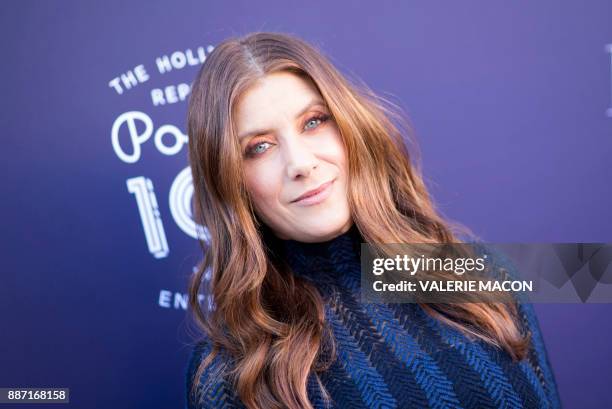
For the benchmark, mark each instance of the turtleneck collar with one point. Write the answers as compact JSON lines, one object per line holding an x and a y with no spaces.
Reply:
{"x":323,"y":263}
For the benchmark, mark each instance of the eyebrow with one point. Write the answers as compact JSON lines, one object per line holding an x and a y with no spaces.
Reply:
{"x":313,"y":102}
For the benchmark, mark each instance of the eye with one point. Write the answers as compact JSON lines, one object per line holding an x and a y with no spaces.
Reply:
{"x":254,"y":149}
{"x":321,"y":118}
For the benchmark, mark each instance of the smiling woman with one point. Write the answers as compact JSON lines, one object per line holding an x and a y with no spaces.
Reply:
{"x":293,"y":168}
{"x":296,"y":169}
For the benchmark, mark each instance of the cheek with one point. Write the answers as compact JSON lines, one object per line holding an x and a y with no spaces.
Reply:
{"x":336,"y":150}
{"x":262,"y":184}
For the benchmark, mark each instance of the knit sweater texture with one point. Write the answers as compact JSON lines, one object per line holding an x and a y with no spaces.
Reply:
{"x":393,"y":355}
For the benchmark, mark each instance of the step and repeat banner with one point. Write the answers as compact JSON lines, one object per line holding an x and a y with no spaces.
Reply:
{"x":511,"y":106}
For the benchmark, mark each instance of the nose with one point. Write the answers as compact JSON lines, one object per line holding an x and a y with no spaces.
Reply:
{"x":300,"y":159}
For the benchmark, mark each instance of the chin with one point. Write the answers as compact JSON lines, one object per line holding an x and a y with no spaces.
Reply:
{"x":323,"y":229}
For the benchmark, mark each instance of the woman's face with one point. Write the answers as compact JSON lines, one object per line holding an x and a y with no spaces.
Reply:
{"x":290,"y":146}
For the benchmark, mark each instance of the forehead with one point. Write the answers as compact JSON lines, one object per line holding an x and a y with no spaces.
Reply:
{"x":272,"y":98}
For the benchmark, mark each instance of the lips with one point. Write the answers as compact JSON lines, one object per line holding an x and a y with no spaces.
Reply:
{"x":313,"y":191}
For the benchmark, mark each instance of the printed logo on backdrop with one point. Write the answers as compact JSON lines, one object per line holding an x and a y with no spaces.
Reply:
{"x":131,"y":130}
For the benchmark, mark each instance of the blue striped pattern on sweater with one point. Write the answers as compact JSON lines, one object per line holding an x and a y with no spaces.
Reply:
{"x":394,"y":355}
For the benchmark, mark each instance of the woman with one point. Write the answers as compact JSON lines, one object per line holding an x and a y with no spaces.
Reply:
{"x":293,"y":167}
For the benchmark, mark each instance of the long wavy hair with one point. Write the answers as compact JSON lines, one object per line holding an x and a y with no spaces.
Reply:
{"x":263,"y":315}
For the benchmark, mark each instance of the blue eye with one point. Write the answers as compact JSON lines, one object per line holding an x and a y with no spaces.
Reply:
{"x":321,"y":118}
{"x":254,"y":150}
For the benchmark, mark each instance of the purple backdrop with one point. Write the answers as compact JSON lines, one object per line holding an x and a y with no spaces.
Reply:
{"x":509,"y":104}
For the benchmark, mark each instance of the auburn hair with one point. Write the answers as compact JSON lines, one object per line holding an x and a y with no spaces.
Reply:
{"x":263,"y":316}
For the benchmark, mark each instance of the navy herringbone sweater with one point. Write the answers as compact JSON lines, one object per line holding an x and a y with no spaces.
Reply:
{"x":394,"y":355}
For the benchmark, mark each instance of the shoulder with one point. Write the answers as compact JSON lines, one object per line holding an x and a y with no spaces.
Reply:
{"x":211,"y":389}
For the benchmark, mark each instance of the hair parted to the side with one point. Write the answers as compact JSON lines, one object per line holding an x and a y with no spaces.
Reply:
{"x":264,"y":317}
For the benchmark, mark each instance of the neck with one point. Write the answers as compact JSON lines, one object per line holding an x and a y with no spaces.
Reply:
{"x":323,"y":263}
